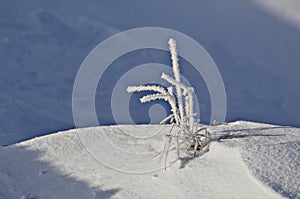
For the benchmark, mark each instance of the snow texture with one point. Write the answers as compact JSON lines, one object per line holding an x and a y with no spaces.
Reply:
{"x":247,"y":160}
{"x":42,"y":44}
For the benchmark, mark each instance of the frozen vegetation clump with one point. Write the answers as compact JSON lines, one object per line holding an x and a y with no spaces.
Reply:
{"x":185,"y":129}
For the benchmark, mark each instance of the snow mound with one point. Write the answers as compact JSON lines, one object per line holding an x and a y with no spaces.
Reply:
{"x":246,"y":160}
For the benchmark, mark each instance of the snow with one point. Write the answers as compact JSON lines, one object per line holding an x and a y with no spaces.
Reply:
{"x":287,"y":10}
{"x":255,"y":45}
{"x":43,"y":43}
{"x":246,"y":160}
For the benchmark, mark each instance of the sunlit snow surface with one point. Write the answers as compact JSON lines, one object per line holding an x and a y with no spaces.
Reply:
{"x":287,"y":10}
{"x":246,"y":160}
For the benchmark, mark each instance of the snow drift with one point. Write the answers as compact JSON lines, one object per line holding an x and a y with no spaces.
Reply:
{"x":248,"y":160}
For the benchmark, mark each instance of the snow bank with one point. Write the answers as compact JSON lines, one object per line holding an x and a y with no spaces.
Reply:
{"x":247,"y":160}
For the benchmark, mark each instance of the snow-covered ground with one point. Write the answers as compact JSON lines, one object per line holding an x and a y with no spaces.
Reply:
{"x":255,"y":45}
{"x":246,"y":160}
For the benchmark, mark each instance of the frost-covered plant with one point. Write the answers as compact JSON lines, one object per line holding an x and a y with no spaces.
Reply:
{"x":182,"y":113}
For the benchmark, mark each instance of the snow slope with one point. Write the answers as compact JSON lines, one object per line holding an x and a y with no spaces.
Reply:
{"x":247,"y":160}
{"x":43,"y":43}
